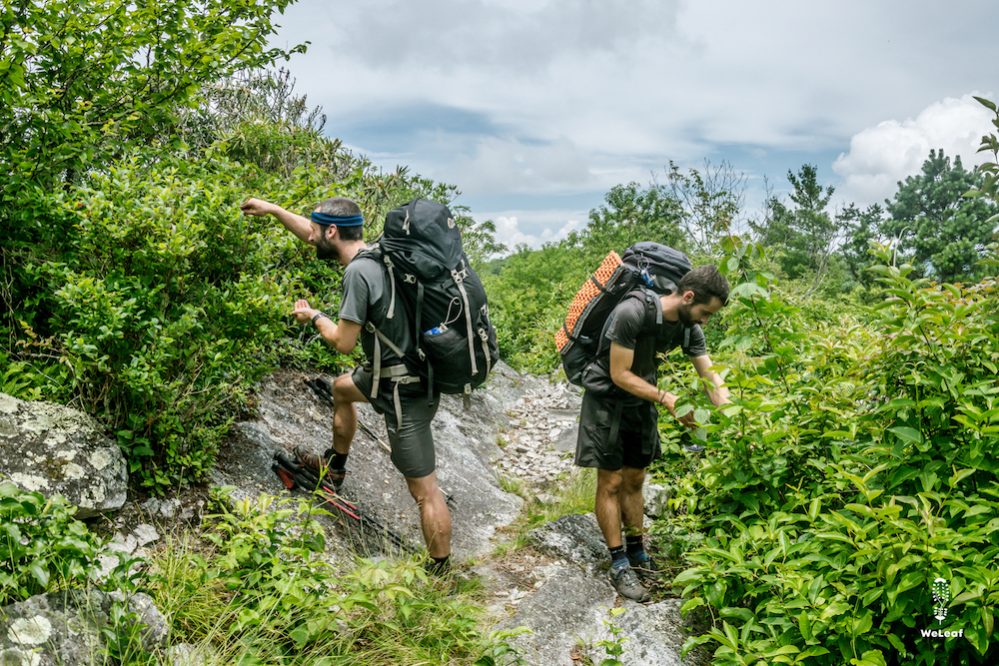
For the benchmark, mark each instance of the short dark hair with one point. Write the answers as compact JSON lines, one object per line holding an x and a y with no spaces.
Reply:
{"x":706,"y":283}
{"x":342,"y":207}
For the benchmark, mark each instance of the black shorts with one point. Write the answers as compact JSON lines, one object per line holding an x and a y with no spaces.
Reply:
{"x":637,"y":441}
{"x":412,"y":441}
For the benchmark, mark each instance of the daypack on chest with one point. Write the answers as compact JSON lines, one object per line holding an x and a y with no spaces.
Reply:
{"x":648,"y":266}
{"x":440,"y":295}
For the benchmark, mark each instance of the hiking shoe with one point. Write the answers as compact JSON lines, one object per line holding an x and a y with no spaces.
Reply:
{"x":626,"y":582}
{"x":439,"y":569}
{"x":319,"y":465}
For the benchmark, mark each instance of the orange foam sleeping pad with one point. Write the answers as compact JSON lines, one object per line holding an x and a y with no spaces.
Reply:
{"x":586,"y":293}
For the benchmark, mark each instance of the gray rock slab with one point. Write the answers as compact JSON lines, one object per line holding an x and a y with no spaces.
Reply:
{"x":657,"y":498}
{"x":54,"y":449}
{"x":568,"y":611}
{"x":653,"y":635}
{"x":65,"y":627}
{"x":290,"y":414}
{"x":576,"y":539}
{"x":563,"y":612}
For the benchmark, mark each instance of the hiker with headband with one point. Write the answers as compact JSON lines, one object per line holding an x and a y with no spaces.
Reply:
{"x":336,"y":228}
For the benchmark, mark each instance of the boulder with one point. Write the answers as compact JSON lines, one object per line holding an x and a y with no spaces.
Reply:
{"x":567,"y":606}
{"x":290,"y":414}
{"x":53,"y":449}
{"x":65,"y":627}
{"x":575,"y":539}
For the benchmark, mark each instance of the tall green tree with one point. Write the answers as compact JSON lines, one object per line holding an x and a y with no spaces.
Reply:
{"x":989,"y":186}
{"x":631,"y":213}
{"x":860,"y":227}
{"x":79,"y":79}
{"x":940,"y":230}
{"x":802,"y":232}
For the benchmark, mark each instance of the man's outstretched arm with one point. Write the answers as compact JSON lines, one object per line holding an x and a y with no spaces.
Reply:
{"x":296,"y":224}
{"x":717,"y":391}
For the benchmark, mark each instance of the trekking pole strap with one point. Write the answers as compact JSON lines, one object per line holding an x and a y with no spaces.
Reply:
{"x":391,"y":271}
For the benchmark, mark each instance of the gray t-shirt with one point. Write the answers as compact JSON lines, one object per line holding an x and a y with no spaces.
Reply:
{"x":366,"y":298}
{"x":629,"y":326}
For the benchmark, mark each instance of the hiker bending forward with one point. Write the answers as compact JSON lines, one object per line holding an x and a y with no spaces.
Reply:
{"x":336,"y":229}
{"x":618,"y":431}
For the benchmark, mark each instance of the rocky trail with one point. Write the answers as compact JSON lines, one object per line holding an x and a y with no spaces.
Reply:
{"x":518,"y":435}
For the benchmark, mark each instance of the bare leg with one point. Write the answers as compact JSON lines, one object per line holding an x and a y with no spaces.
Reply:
{"x":345,"y":394}
{"x":632,"y":502}
{"x":435,"y":519}
{"x":608,"y":505}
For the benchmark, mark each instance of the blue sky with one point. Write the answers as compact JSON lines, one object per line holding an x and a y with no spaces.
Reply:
{"x":535,"y":109}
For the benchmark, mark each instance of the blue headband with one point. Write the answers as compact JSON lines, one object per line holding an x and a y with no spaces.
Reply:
{"x":338,"y":220}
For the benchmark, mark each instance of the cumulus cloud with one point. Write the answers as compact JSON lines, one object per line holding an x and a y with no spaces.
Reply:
{"x":509,"y":228}
{"x":881,"y":156}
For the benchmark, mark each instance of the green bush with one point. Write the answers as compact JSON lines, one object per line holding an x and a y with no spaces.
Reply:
{"x":852,"y":471}
{"x":258,"y":590}
{"x":42,"y":547}
{"x":166,"y":304}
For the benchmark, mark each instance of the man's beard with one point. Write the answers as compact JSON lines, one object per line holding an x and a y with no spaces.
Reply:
{"x":683,"y":312}
{"x":326,"y":250}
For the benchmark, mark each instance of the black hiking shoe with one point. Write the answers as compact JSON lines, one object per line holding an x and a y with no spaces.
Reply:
{"x":626,"y":583}
{"x":437,"y":568}
{"x":319,"y":465}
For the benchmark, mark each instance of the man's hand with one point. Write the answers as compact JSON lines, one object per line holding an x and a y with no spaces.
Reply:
{"x":669,"y":401}
{"x":302,"y":313}
{"x":256,"y":207}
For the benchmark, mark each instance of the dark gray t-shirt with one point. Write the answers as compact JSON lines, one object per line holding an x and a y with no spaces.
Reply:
{"x":629,"y":326}
{"x":366,"y":298}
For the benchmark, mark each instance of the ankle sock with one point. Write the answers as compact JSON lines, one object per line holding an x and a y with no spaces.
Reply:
{"x":635,"y":548}
{"x":336,"y":460}
{"x":619,"y":558}
{"x":439,"y":565}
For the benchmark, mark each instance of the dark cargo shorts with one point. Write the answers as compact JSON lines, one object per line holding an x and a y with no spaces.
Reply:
{"x":412,"y":441}
{"x":637,"y":441}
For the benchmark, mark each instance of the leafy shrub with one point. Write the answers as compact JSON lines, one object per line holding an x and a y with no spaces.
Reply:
{"x":166,"y":304}
{"x":42,"y":547}
{"x":259,"y":591}
{"x":851,"y":473}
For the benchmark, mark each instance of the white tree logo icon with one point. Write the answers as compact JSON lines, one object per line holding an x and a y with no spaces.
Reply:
{"x":941,"y":597}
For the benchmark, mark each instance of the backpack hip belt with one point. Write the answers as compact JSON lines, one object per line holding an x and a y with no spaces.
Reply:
{"x":398,"y":374}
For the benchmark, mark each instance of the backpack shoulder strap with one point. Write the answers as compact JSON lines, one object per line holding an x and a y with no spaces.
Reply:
{"x":375,"y":252}
{"x":653,"y":315}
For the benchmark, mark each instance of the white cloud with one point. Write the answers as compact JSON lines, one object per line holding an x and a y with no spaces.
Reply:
{"x":509,"y":227}
{"x":881,"y":156}
{"x":567,"y":97}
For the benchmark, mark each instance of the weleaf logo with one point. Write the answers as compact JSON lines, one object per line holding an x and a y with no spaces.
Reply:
{"x":941,"y":597}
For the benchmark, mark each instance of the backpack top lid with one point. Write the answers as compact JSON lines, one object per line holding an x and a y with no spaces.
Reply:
{"x":423,"y":237}
{"x":660,"y":267}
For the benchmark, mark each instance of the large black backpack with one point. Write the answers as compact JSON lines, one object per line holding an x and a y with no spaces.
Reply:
{"x":443,"y":297}
{"x":646,"y":267}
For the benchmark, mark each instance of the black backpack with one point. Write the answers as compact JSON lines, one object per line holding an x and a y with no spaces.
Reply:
{"x":645,"y":269}
{"x":444,"y":298}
